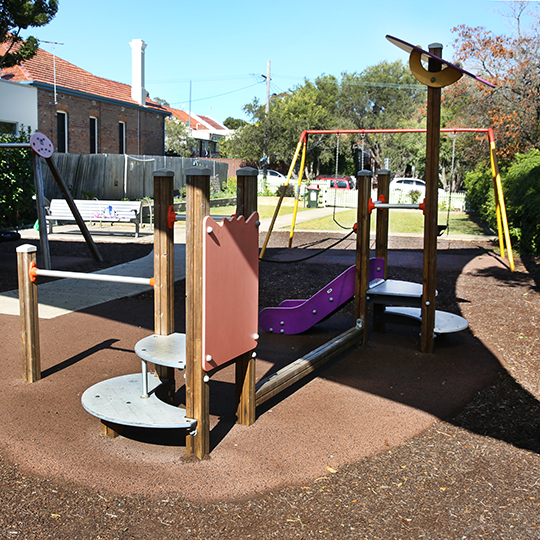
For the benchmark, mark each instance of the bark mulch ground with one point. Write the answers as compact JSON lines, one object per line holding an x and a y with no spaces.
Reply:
{"x":473,"y":475}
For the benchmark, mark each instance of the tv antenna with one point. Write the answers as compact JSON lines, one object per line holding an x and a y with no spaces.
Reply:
{"x":54,"y":44}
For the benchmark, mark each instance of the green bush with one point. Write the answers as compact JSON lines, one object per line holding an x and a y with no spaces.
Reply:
{"x":17,"y":208}
{"x":521,"y":185}
{"x":415,"y":196}
{"x":521,"y":189}
{"x":289,"y":191}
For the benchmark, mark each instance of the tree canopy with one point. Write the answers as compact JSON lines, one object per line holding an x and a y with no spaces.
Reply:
{"x":177,"y":138}
{"x":512,"y":63}
{"x":19,"y":15}
{"x":385,"y":95}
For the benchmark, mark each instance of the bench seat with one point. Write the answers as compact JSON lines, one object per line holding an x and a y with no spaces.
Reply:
{"x":96,"y":211}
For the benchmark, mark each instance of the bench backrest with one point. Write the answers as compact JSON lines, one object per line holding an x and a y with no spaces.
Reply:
{"x":95,"y":209}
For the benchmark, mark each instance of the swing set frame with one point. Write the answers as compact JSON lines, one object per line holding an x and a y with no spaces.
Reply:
{"x":503,"y":230}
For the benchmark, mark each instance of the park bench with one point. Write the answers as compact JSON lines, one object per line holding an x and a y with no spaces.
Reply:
{"x":96,"y":211}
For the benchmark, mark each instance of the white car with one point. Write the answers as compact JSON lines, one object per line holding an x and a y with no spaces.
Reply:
{"x":272,"y":176}
{"x":406,"y":185}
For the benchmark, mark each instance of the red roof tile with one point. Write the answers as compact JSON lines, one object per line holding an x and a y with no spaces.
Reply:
{"x":212,"y":122}
{"x":184,"y":117}
{"x":40,"y":68}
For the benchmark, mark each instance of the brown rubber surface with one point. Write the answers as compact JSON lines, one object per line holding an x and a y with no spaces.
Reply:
{"x":373,"y":398}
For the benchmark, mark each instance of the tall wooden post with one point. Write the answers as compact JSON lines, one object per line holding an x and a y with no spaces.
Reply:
{"x":28,"y":302}
{"x":246,"y":204}
{"x":381,"y":238}
{"x":431,"y":205}
{"x":363,"y":181}
{"x":197,"y":388}
{"x":164,"y":267}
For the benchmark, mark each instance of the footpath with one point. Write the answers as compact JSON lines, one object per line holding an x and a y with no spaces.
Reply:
{"x":66,"y":295}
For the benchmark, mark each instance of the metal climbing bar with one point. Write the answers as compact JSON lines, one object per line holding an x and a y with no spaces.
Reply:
{"x":35,"y":271}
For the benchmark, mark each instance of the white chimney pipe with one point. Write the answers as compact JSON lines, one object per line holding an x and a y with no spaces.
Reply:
{"x":138,"y":92}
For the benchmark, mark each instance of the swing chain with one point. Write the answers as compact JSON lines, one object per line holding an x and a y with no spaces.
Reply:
{"x":337,"y":156}
{"x":451,"y":184}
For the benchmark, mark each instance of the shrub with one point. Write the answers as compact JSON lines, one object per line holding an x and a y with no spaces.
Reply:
{"x":289,"y":191}
{"x":415,"y":196}
{"x":17,"y":207}
{"x":521,"y":186}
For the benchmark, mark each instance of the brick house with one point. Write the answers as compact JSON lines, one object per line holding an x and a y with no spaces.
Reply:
{"x":85,"y":114}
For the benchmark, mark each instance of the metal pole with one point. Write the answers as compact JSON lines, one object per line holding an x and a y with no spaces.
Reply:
{"x":40,"y":206}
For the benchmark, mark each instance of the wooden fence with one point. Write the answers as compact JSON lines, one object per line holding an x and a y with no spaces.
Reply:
{"x":117,"y":176}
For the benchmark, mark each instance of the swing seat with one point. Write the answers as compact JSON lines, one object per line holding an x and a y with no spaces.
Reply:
{"x":441,"y":229}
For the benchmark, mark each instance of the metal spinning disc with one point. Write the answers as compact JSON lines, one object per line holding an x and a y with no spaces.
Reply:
{"x":41,"y":145}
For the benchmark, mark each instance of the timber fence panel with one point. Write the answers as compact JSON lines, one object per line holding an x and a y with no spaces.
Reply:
{"x":118,"y":176}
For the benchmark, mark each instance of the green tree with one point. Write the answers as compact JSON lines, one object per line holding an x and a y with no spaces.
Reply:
{"x":16,"y":182}
{"x":512,"y":63}
{"x":19,"y":15}
{"x":385,"y":96}
{"x":233,"y":123}
{"x":177,"y":139}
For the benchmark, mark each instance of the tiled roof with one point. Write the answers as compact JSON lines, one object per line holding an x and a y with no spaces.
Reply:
{"x":198,"y":122}
{"x":212,"y":122}
{"x":40,"y":69}
{"x":184,"y":117}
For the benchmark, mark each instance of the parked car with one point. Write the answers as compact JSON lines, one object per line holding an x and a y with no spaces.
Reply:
{"x":337,"y":182}
{"x":272,"y":176}
{"x":406,"y":185}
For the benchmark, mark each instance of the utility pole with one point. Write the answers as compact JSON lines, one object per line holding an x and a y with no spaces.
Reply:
{"x":265,"y":148}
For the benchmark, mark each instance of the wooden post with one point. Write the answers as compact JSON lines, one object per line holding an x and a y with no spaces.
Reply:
{"x":164,"y":267}
{"x":74,"y":210}
{"x":429,"y":281}
{"x":246,"y":204}
{"x":28,"y":302}
{"x":363,"y":181}
{"x":381,"y":239}
{"x":197,"y":389}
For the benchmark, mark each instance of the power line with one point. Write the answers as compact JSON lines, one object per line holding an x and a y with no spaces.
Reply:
{"x":223,"y":94}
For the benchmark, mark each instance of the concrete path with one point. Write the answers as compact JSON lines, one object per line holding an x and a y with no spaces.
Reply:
{"x":66,"y":295}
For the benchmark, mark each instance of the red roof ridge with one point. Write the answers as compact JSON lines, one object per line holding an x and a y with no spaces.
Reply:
{"x":40,"y":69}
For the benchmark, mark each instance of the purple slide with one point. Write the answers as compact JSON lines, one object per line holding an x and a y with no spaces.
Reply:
{"x":296,"y":316}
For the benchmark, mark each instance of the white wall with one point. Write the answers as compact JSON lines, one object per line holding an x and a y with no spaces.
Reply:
{"x":18,"y":103}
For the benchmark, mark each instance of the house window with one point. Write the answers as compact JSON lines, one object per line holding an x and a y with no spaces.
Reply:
{"x":8,"y":128}
{"x":62,"y":131}
{"x":93,"y":135}
{"x":121,"y":137}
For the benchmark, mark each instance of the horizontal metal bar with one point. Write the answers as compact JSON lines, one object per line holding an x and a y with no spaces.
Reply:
{"x":182,"y":217}
{"x":15,"y":145}
{"x":93,"y":277}
{"x":396,"y":205}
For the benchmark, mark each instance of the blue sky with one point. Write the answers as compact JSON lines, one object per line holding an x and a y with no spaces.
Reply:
{"x":224,"y":47}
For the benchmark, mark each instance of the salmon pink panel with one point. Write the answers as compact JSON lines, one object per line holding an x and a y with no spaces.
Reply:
{"x":230,"y":288}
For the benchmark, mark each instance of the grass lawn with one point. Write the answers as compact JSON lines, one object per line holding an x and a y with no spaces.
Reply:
{"x":399,"y":222}
{"x":265,"y":211}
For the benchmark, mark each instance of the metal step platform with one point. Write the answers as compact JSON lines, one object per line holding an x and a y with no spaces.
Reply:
{"x":167,"y":351}
{"x":393,"y":292}
{"x":119,"y":401}
{"x":445,"y":323}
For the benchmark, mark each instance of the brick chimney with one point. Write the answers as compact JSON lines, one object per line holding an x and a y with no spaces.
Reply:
{"x":138,"y":92}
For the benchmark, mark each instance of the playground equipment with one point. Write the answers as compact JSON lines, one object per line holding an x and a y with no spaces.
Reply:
{"x":226,"y":256}
{"x":393,"y":297}
{"x":203,"y":343}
